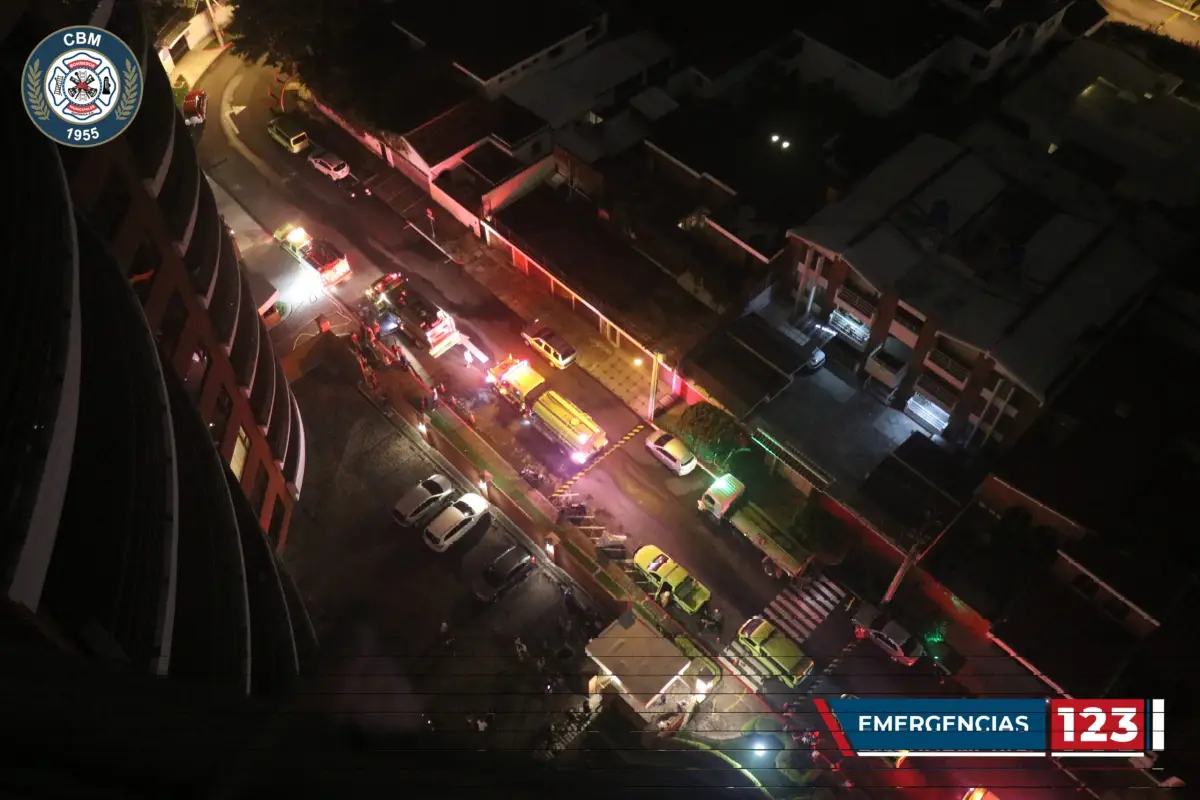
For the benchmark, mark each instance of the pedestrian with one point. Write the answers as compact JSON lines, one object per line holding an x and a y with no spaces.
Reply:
{"x":444,"y":628}
{"x":664,"y":599}
{"x":522,"y":650}
{"x":481,"y":724}
{"x":470,"y":358}
{"x":541,"y":664}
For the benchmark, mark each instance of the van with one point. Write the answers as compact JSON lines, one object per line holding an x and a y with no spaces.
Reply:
{"x":289,"y":133}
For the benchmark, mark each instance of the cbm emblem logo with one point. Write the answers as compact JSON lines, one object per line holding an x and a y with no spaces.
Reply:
{"x":82,"y":86}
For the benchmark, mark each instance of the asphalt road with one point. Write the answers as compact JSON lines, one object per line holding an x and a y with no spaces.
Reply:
{"x":381,"y":592}
{"x":1160,"y":18}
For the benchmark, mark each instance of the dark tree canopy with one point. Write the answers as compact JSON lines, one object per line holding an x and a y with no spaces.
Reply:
{"x":711,"y":433}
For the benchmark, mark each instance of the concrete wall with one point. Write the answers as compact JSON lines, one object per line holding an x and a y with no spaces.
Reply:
{"x":872,"y":92}
{"x":519,"y":185}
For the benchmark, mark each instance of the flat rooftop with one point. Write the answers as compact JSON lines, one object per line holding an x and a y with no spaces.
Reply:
{"x":498,"y":36}
{"x":738,"y":378}
{"x":640,"y":657}
{"x":745,"y":153}
{"x":468,"y":123}
{"x":1124,"y":110}
{"x":426,"y":86}
{"x":1066,"y":637}
{"x":567,"y":93}
{"x":492,"y":164}
{"x":886,"y":37}
{"x":1001,"y":267}
{"x":569,"y":240}
{"x":1127,"y":407}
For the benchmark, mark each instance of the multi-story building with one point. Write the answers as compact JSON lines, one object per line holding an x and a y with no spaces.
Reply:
{"x":155,"y":449}
{"x":974,"y":289}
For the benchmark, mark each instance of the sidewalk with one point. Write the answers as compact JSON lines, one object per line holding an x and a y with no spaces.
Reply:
{"x":197,"y":61}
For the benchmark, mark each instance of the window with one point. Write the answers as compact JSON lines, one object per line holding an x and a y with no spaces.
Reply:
{"x":241,"y":450}
{"x":196,"y":372}
{"x":111,"y":207}
{"x":258,"y":493}
{"x":170,"y":328}
{"x":146,"y":262}
{"x":278,"y":514}
{"x":220,"y":421}
{"x":556,"y":51}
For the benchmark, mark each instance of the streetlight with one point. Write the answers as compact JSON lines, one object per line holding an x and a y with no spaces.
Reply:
{"x":637,"y":362}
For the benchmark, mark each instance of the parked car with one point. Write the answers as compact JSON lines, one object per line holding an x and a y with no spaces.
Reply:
{"x":549,"y":344}
{"x":814,"y":363}
{"x":506,"y":572}
{"x":290,"y":133}
{"x":464,"y":515}
{"x":353,"y":188}
{"x":329,"y":164}
{"x":423,"y":501}
{"x":779,"y":654}
{"x":666,"y":575}
{"x":672,"y":452}
{"x":892,"y":637}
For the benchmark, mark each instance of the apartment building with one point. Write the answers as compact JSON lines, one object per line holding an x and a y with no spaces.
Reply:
{"x":155,"y":444}
{"x":884,"y":57}
{"x":972,"y":294}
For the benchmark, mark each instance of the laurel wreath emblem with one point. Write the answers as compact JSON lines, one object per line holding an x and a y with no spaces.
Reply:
{"x":129,"y":92}
{"x":34,"y":93}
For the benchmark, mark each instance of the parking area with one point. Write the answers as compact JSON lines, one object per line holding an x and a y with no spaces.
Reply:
{"x":378,"y":596}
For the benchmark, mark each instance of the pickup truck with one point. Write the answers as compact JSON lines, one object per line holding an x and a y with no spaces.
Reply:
{"x":726,"y":500}
{"x":667,"y":575}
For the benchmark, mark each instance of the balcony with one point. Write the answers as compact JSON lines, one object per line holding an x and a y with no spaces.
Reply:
{"x":937,"y":392}
{"x":152,"y":132}
{"x":41,"y":364}
{"x":948,"y":368}
{"x":856,"y":304}
{"x":179,"y":197}
{"x":213,"y":608}
{"x":262,"y":395}
{"x":905,"y":328}
{"x":112,"y":579}
{"x":227,"y":296}
{"x":244,"y":355}
{"x":886,"y":369}
{"x":850,"y":327}
{"x":280,"y":430}
{"x":293,"y":467}
{"x":204,"y":250}
{"x":274,"y":659}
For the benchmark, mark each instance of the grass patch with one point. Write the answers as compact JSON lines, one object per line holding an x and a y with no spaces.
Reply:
{"x":180,"y":89}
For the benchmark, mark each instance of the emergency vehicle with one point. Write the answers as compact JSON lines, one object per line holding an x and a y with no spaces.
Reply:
{"x":425,"y":324}
{"x":329,"y":262}
{"x":554,"y":416}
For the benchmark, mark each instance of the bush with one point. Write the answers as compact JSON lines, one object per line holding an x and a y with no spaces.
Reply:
{"x":711,"y":433}
{"x":822,"y":533}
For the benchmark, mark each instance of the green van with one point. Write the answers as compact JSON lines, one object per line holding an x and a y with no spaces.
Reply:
{"x":289,"y":133}
{"x":779,"y":654}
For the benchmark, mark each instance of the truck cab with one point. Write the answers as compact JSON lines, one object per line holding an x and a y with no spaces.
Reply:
{"x":664,"y":574}
{"x":516,"y":382}
{"x":722,"y":496}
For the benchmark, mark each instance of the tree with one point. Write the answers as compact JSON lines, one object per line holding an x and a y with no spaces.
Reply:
{"x":159,"y":13}
{"x":711,"y":433}
{"x":822,"y":533}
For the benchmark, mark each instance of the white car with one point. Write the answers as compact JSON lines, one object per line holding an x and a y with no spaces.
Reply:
{"x":672,"y":452}
{"x":549,"y":344}
{"x":462,"y":516}
{"x":329,"y":164}
{"x":423,"y":501}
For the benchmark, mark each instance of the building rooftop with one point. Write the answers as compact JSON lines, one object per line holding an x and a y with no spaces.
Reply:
{"x":492,"y":164}
{"x":1000,"y":266}
{"x":745,"y":153}
{"x":426,"y":87}
{"x":466,"y":124}
{"x":737,"y":378}
{"x":567,"y":93}
{"x":1126,"y":407}
{"x":1152,"y":585}
{"x":886,"y":37}
{"x":1124,"y":110}
{"x":499,"y":36}
{"x":640,"y":657}
{"x":1066,"y":637}
{"x":569,"y":240}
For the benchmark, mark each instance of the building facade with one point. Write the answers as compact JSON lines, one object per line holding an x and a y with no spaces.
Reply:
{"x":163,"y":450}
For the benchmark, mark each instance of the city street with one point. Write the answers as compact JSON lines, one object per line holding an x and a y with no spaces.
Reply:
{"x":1161,"y":18}
{"x":377,"y":595}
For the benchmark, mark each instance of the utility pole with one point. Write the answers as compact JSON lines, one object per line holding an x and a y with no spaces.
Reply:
{"x":905,"y":566}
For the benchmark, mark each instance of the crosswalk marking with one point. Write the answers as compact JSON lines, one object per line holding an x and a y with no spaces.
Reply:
{"x":798,"y":612}
{"x":740,"y":661}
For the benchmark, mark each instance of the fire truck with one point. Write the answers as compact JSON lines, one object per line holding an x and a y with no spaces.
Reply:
{"x":420,"y":320}
{"x":554,"y":416}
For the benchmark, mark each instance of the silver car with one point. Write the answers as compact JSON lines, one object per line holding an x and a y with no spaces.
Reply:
{"x":422,"y":501}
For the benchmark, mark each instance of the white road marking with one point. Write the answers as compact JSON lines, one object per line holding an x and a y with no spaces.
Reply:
{"x":798,"y":612}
